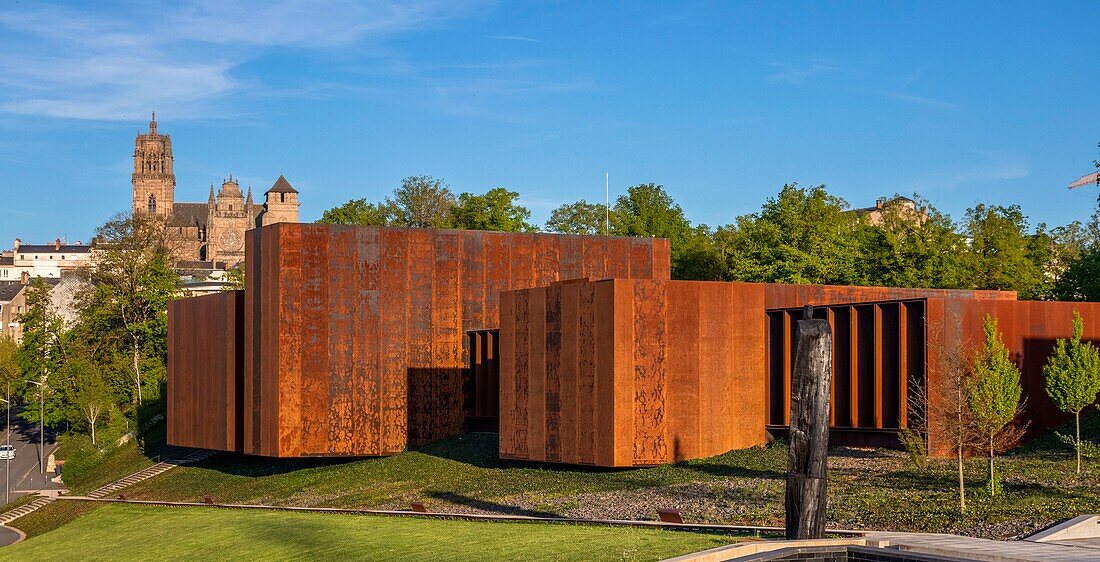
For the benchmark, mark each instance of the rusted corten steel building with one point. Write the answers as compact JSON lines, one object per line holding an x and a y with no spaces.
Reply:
{"x":624,"y":373}
{"x":354,"y":338}
{"x":630,"y":372}
{"x":358,"y":341}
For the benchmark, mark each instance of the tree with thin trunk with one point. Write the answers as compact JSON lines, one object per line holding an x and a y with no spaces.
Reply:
{"x":993,"y":396}
{"x":1073,"y":377}
{"x":950,"y":411}
{"x":92,"y":396}
{"x":133,"y":284}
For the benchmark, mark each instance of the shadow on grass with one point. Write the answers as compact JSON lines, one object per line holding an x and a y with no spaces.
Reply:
{"x":484,"y":505}
{"x":236,"y":464}
{"x":482,"y":451}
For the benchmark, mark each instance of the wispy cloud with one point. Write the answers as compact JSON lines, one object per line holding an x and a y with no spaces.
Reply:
{"x":70,"y":63}
{"x":519,"y":38}
{"x":800,"y":73}
{"x":985,"y":166}
{"x":922,"y":100}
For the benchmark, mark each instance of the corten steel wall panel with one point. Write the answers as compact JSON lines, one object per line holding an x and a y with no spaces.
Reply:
{"x":660,"y":371}
{"x":568,"y":420}
{"x":206,"y":371}
{"x":650,"y":373}
{"x":793,"y":296}
{"x":317,"y":340}
{"x":368,"y":382}
{"x":587,"y":369}
{"x":1029,"y":330}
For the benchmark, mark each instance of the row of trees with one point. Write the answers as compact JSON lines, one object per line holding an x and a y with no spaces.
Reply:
{"x":982,"y":398}
{"x":801,"y":235}
{"x":98,"y":365}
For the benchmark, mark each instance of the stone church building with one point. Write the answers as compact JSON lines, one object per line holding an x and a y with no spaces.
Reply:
{"x":211,"y":232}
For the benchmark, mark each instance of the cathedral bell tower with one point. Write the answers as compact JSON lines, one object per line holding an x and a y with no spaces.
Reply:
{"x":153,"y":180}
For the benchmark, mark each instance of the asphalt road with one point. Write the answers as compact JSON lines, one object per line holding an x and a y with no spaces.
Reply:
{"x":26,"y":476}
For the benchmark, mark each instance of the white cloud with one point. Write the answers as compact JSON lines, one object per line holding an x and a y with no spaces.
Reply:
{"x":801,"y":72}
{"x":519,"y":38}
{"x":986,"y":166}
{"x":69,"y":63}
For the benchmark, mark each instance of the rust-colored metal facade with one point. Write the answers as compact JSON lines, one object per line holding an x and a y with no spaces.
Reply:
{"x":355,"y":337}
{"x":878,"y":354}
{"x":630,"y":372}
{"x":1029,"y":330}
{"x":884,"y":349}
{"x":355,"y":341}
{"x":205,"y":367}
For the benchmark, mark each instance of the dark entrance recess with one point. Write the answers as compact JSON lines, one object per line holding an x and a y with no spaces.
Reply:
{"x":481,"y":381}
{"x":878,"y":356}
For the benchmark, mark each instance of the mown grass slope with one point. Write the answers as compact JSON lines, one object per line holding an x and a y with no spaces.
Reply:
{"x":127,"y":532}
{"x":869,"y":489}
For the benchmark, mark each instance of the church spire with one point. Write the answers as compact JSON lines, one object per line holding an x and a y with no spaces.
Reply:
{"x":211,"y":194}
{"x":249,"y":195}
{"x":153,"y":124}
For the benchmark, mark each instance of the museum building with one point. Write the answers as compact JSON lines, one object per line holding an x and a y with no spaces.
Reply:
{"x":363,"y":341}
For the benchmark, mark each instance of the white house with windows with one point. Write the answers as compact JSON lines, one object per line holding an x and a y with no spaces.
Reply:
{"x":43,"y":260}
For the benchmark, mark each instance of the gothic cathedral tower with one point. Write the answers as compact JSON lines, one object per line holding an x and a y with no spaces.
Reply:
{"x":153,"y":180}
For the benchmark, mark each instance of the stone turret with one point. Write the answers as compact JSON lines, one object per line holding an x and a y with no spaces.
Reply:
{"x":280,"y":203}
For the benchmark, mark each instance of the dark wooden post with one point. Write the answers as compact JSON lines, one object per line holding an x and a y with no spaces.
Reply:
{"x":809,"y":433}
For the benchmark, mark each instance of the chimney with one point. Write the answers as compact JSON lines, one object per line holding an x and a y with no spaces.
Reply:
{"x":25,"y":277}
{"x":18,"y":243}
{"x":57,"y":244}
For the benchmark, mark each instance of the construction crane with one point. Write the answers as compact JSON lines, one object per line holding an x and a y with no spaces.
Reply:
{"x":1093,"y":178}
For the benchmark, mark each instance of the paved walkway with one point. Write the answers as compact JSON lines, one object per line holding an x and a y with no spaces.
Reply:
{"x":178,"y":457}
{"x":183,"y":457}
{"x":9,"y":535}
{"x":983,"y":549}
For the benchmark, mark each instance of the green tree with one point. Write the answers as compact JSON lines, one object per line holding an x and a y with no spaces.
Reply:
{"x":497,"y":210}
{"x":133,"y":284}
{"x":423,"y":202}
{"x":40,"y":354}
{"x":1081,"y":280}
{"x":993,"y":394}
{"x":9,"y":368}
{"x":1073,"y":376}
{"x":234,"y":278}
{"x":910,"y":247}
{"x":581,"y":217}
{"x":1002,"y":255}
{"x":648,"y":210}
{"x":91,"y":396}
{"x":799,"y":236}
{"x":360,"y":212}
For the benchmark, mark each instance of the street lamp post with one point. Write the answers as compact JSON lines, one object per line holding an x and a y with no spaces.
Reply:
{"x":7,"y":441}
{"x":41,"y":423}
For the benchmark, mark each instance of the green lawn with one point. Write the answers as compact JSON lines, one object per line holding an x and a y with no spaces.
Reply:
{"x":127,"y":532}
{"x":868,"y":489}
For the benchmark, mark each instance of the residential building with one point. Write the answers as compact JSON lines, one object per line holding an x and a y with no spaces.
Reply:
{"x":49,"y":261}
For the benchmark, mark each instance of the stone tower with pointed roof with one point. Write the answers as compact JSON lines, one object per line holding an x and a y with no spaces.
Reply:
{"x":206,"y":235}
{"x":280,"y":203}
{"x":153,"y":180}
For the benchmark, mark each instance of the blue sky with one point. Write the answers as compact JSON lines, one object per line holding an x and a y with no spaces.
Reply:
{"x":721,"y":103}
